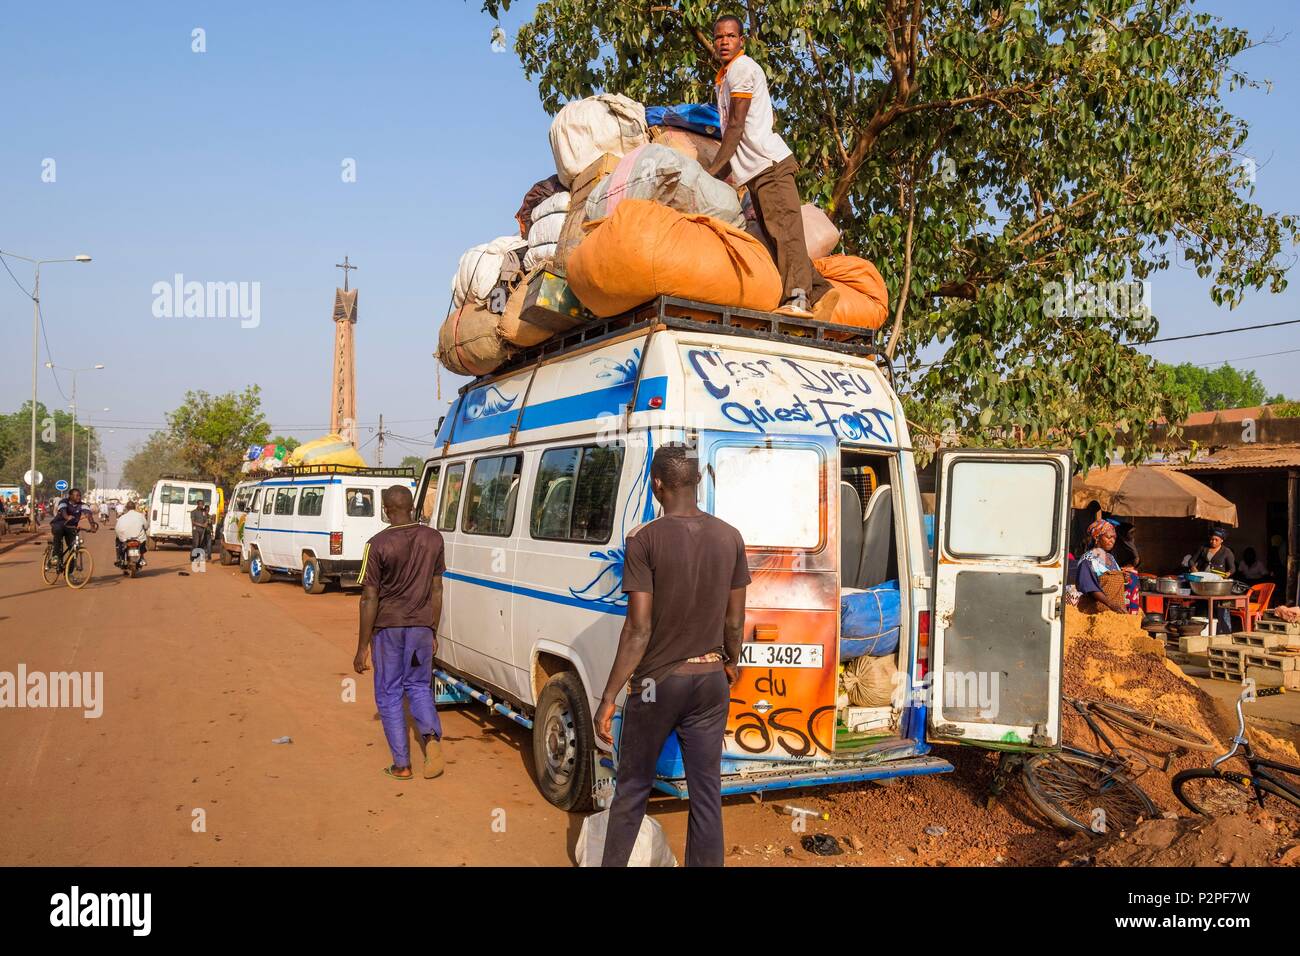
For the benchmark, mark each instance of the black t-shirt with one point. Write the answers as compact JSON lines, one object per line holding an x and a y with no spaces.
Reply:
{"x":69,"y":515}
{"x":691,"y":565}
{"x":1223,"y":560}
{"x":402,"y":562}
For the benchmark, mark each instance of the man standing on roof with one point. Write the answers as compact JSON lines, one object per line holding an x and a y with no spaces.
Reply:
{"x":760,"y":160}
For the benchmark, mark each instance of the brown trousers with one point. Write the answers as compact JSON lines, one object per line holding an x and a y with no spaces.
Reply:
{"x":776,"y":200}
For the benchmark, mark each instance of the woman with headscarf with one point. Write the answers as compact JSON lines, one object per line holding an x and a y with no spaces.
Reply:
{"x":1101,"y":582}
{"x":1218,"y":557}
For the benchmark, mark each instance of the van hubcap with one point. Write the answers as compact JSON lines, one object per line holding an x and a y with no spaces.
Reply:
{"x":561,"y":744}
{"x":307,"y":576}
{"x":256,"y":567}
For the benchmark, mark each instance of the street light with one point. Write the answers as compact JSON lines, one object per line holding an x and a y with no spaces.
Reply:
{"x":72,"y":478}
{"x":36,"y":334}
{"x":90,"y":445}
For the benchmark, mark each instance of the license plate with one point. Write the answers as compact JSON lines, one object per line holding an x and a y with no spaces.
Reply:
{"x":763,"y":654}
{"x":135,"y":553}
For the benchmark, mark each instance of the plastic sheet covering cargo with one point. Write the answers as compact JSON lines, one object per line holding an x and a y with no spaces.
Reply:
{"x":664,"y":175}
{"x":869,"y":621}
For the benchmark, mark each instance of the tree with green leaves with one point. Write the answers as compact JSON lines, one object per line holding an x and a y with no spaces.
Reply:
{"x":1212,"y":389}
{"x":156,"y":456}
{"x":413,"y":462}
{"x":53,"y":447}
{"x":213,"y":432}
{"x":1011,"y":167}
{"x":289,"y":443}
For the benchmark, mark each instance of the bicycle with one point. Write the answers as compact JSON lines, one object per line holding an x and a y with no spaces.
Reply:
{"x":76,"y":568}
{"x":1211,"y":790}
{"x":1089,"y":792}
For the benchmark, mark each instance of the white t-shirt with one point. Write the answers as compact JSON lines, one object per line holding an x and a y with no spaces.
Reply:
{"x":130,"y":525}
{"x":760,"y":146}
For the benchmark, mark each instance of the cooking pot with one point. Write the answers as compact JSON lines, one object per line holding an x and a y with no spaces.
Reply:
{"x":1167,"y":585}
{"x":1189,"y":629}
{"x":1220,"y":588}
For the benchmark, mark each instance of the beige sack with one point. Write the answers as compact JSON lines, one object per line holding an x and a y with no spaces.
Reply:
{"x":869,"y":681}
{"x":819,"y":233}
{"x":469,"y":342}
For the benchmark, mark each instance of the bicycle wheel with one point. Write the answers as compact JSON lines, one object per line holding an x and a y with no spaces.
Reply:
{"x":1082,"y":792}
{"x":79,"y":568}
{"x":1211,"y":792}
{"x":1149,"y":725}
{"x":49,"y":570}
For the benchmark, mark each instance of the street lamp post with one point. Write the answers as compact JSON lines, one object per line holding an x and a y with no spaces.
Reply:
{"x":36,"y":334}
{"x":72,"y":468}
{"x":90,"y":446}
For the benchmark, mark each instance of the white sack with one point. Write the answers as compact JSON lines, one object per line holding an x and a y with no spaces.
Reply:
{"x":480,"y":269}
{"x":651,"y":847}
{"x":584,"y":130}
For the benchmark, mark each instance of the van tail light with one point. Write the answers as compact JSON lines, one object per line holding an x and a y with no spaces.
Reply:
{"x":336,"y":542}
{"x":923,"y":643}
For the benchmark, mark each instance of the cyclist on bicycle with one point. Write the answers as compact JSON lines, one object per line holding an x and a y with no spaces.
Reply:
{"x":66,"y":519}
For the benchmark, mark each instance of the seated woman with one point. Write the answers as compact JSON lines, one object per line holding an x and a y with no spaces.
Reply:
{"x":1251,"y":569}
{"x":1101,"y":582}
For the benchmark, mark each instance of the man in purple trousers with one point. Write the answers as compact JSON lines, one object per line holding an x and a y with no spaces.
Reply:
{"x":401,"y":601}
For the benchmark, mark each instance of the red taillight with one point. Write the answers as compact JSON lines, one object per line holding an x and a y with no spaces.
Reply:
{"x":923,"y":643}
{"x":656,"y":402}
{"x":336,"y":542}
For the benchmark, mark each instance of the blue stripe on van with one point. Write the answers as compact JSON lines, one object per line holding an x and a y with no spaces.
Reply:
{"x":519,"y":589}
{"x":564,"y":411}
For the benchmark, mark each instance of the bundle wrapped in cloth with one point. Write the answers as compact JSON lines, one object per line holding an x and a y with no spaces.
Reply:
{"x":703,"y":149}
{"x":547,"y":221}
{"x":327,"y":450}
{"x":643,"y":250}
{"x":482,"y":267}
{"x":586,"y":129}
{"x":864,"y":299}
{"x":666,"y":176}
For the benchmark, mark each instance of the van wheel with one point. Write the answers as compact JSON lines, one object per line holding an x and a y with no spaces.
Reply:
{"x":258,"y":573}
{"x":226,"y":557}
{"x":243,"y":562}
{"x":313,"y":582}
{"x":563,"y":743}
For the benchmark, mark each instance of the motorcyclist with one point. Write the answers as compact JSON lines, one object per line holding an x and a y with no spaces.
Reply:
{"x":132,"y":524}
{"x":65,"y":524}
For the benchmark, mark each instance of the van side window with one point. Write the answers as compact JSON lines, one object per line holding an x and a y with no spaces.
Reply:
{"x":493,"y":489}
{"x":269,"y":502}
{"x":428,"y":495}
{"x":173,"y":495}
{"x":241,"y":500}
{"x":257,"y":500}
{"x":575,"y":494}
{"x":200,"y":494}
{"x":361,"y":502}
{"x":311,"y":501}
{"x":284,"y":500}
{"x":451,"y":497}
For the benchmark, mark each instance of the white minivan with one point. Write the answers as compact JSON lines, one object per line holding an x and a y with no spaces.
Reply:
{"x":232,"y":523}
{"x":170,"y":504}
{"x":312,"y":522}
{"x":544,"y":468}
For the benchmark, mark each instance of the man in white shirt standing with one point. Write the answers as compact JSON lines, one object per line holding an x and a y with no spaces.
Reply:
{"x":132,"y":524}
{"x":761,"y":160}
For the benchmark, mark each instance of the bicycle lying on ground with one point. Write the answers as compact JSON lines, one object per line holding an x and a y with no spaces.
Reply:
{"x":1091,"y":792}
{"x":76,"y":567}
{"x":1212,"y":790}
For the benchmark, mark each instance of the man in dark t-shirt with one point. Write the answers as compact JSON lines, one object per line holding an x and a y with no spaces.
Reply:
{"x":685,"y":576}
{"x":401,"y":601}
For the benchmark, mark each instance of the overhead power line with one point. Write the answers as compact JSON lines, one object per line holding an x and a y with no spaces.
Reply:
{"x":1202,"y":335}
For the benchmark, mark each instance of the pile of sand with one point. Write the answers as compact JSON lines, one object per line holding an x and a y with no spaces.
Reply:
{"x":1254,"y":838}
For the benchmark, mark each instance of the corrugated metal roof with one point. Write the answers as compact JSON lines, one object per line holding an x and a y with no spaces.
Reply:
{"x":1245,"y":456}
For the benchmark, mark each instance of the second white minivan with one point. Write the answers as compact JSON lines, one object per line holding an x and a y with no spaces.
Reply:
{"x":170,"y":503}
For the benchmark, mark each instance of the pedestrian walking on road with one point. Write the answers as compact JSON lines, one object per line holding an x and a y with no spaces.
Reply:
{"x":685,"y":576}
{"x":200,"y":521}
{"x":401,"y":601}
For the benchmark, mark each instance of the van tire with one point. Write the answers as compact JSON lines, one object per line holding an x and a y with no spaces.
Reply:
{"x":258,"y":572}
{"x":313,"y":582}
{"x":564,"y":742}
{"x":243,"y":562}
{"x":226,"y":557}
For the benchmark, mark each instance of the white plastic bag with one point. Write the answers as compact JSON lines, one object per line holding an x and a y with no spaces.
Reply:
{"x":651,"y":847}
{"x":480,"y":269}
{"x":584,"y":130}
{"x":664,"y":175}
{"x":548,"y":220}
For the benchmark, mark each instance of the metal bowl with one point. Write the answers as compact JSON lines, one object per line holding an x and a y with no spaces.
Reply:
{"x":1167,"y":585}
{"x":1221,"y":588}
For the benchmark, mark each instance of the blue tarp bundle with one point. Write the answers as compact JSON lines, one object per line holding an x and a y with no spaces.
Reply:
{"x":697,"y":117}
{"x":869,"y":622}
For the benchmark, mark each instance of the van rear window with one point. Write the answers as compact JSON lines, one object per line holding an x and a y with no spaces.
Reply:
{"x":361,"y":502}
{"x":772,"y":496}
{"x":200,"y":494}
{"x":173,"y":495}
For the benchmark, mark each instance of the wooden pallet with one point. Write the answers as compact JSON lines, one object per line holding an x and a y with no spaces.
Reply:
{"x":1277,"y":626}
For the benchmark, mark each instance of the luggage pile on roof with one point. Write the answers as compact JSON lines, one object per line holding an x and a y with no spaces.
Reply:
{"x":630,"y":214}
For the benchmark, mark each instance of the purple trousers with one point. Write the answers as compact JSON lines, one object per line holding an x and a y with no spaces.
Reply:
{"x":403,"y":660}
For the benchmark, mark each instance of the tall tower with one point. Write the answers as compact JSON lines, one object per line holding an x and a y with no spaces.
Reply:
{"x":343,"y":386}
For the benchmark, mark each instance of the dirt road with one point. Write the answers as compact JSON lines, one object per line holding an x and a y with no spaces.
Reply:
{"x":202,"y":671}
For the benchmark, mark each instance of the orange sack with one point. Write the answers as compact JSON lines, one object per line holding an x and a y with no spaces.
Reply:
{"x":646,"y":250}
{"x":864,"y":300}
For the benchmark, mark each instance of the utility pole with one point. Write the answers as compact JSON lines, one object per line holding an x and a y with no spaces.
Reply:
{"x":380,"y":453}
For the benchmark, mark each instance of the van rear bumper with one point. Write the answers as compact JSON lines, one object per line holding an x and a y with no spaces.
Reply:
{"x":815,"y":777}
{"x":339,"y":566}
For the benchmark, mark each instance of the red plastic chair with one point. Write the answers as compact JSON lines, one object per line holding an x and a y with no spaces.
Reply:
{"x":1257,"y":599}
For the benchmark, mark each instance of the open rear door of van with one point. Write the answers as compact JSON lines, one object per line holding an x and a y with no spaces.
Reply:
{"x":999,"y":581}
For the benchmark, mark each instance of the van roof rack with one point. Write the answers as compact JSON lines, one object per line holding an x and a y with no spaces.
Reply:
{"x":691,"y":315}
{"x":211,"y":481}
{"x":364,"y":471}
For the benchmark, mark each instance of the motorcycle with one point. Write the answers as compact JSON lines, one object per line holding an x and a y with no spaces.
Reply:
{"x":132,"y":557}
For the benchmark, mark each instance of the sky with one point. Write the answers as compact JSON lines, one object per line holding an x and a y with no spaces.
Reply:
{"x":231,"y":165}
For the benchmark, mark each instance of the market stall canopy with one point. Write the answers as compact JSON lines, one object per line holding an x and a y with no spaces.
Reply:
{"x":1148,"y":491}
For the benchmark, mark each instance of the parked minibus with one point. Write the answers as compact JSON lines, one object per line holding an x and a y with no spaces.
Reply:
{"x":543,"y":468}
{"x":170,"y":503}
{"x":312,"y":522}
